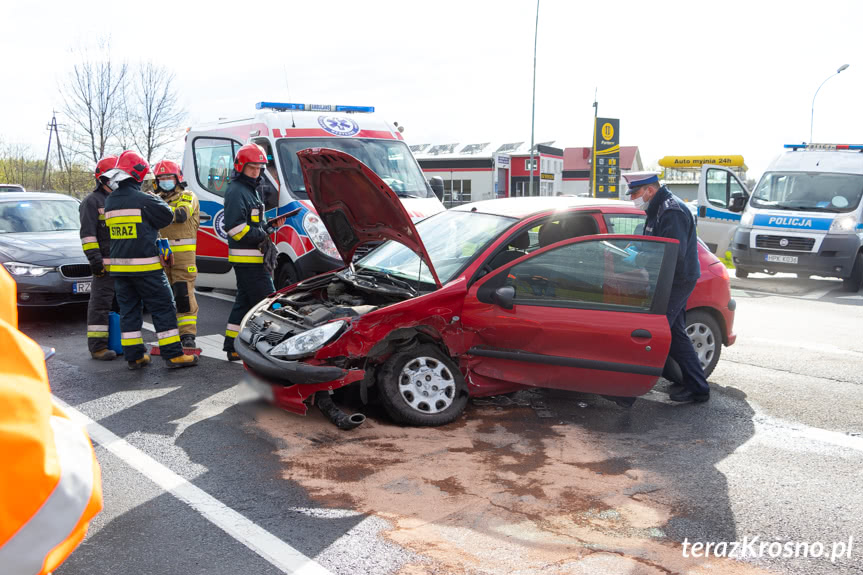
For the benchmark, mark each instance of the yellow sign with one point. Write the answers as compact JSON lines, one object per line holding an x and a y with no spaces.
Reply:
{"x":546,"y":176}
{"x":124,"y":232}
{"x":684,"y":162}
{"x":607,"y":131}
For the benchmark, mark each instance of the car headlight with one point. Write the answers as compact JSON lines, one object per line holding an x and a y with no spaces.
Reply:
{"x":319,"y":235}
{"x":747,"y":218}
{"x":844,"y":224}
{"x":19,"y":269}
{"x":308,"y":341}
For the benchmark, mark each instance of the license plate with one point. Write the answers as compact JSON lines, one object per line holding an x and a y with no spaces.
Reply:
{"x":781,"y":259}
{"x":81,"y":287}
{"x":259,"y":387}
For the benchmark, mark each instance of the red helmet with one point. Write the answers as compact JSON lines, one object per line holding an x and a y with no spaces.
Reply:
{"x":105,"y":164}
{"x":249,"y":154}
{"x":133,"y":164}
{"x":168,"y":168}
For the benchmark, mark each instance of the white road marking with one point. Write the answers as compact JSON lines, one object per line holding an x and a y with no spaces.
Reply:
{"x":818,"y":347}
{"x":212,"y":406}
{"x":256,"y":538}
{"x":148,"y":326}
{"x":216,"y":295}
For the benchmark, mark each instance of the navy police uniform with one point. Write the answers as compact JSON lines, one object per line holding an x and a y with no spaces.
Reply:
{"x":246,"y":228}
{"x":134,"y":219}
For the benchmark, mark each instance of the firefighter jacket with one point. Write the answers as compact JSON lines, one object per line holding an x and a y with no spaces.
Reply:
{"x":50,"y":486}
{"x":244,"y":221}
{"x":94,"y":232}
{"x":182,"y":232}
{"x":134,"y":219}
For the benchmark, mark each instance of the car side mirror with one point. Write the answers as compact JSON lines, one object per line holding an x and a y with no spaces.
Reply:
{"x":436,"y":183}
{"x":738,"y":202}
{"x":504,"y":296}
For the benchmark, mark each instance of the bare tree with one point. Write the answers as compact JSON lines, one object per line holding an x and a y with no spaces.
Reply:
{"x":153,"y":115}
{"x":93,"y":102}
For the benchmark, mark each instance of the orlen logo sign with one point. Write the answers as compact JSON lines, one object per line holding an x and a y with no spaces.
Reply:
{"x":789,"y":222}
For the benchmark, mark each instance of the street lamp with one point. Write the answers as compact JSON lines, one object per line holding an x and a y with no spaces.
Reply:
{"x":812,"y":119}
{"x":533,"y":103}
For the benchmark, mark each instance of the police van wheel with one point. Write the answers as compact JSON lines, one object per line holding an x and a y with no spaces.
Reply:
{"x":854,"y":282}
{"x":706,"y":337}
{"x":741,"y":273}
{"x":286,"y":274}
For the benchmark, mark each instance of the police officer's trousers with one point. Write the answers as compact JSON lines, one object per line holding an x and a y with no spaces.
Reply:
{"x":254,"y":283}
{"x":681,"y":349}
{"x":182,"y":277}
{"x":153,"y":291}
{"x":98,"y":308}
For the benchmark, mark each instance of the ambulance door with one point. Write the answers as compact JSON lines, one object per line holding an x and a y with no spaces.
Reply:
{"x":716,"y":221}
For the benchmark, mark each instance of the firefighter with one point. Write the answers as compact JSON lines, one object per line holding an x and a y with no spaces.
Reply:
{"x":134,"y":219}
{"x":248,"y":238}
{"x":181,"y":235}
{"x":96,"y":244}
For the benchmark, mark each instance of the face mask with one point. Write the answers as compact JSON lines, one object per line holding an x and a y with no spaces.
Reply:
{"x":640,"y":204}
{"x":167,"y":185}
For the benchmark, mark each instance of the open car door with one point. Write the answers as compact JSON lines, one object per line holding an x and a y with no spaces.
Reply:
{"x":716,"y":220}
{"x":585,"y":314}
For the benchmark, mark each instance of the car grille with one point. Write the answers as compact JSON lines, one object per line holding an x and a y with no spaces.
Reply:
{"x":76,"y":270}
{"x":270,"y":337}
{"x":793,"y":243}
{"x":365,"y":249}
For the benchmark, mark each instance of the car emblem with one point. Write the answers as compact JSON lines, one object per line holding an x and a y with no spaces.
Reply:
{"x":783,"y":242}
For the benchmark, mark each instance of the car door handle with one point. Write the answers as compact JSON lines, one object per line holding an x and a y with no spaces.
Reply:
{"x":641,"y":333}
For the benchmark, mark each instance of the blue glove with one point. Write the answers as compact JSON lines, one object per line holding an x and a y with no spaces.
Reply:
{"x":633,"y":253}
{"x":165,"y":251}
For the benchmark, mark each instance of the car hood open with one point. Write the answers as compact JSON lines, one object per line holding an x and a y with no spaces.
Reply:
{"x":356,"y":205}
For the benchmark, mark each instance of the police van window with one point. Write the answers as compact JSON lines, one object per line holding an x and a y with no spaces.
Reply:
{"x":214,"y":160}
{"x":391,"y":160}
{"x":717,"y":187}
{"x":834,"y":193}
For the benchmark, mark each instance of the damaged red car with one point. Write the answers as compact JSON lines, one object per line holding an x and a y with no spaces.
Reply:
{"x":483,"y":299}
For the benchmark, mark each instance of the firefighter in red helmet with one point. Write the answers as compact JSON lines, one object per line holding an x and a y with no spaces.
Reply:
{"x":248,"y":238}
{"x":96,"y":243}
{"x":134,"y":219}
{"x":181,"y":234}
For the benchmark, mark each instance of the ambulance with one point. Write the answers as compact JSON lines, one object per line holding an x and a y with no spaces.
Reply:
{"x":805,"y":216}
{"x":283,"y":129}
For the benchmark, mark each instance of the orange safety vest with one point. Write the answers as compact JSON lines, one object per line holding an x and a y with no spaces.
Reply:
{"x":50,"y":482}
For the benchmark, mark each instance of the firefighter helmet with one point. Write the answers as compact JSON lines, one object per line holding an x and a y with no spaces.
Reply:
{"x":133,"y":164}
{"x":103,"y":165}
{"x":169,"y":168}
{"x":250,"y":154}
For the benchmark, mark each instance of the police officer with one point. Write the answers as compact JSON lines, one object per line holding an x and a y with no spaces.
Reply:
{"x":248,"y":238}
{"x":134,"y":219}
{"x":668,"y":217}
{"x":181,"y":235}
{"x":96,"y":244}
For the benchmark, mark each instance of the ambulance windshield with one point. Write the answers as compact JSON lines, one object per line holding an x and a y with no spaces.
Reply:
{"x":806,"y":191}
{"x":391,"y":160}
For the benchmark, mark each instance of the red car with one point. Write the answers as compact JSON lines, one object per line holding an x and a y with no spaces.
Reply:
{"x":482,"y":299}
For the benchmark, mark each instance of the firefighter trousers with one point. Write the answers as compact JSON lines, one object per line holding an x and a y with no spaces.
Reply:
{"x":98,"y":308}
{"x":153,"y":291}
{"x":254,"y":283}
{"x":181,"y":277}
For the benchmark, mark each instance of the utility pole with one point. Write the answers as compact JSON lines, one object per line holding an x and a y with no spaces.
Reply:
{"x":52,"y":130}
{"x":533,"y":104}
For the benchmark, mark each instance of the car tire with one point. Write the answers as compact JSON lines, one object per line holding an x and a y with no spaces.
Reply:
{"x":286,"y":274}
{"x":854,"y":282}
{"x":403,"y":380}
{"x":741,"y":273}
{"x":706,"y":337}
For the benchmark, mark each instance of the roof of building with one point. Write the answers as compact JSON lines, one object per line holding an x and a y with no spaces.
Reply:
{"x":578,"y":159}
{"x":474,"y":150}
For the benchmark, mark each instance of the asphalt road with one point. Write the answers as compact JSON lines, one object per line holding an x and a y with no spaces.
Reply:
{"x":200,"y":477}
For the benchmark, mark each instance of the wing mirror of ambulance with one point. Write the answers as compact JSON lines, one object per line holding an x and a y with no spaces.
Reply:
{"x":436,"y":183}
{"x":738,"y":202}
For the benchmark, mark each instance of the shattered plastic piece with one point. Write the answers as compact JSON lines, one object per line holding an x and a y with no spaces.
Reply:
{"x":582,"y":404}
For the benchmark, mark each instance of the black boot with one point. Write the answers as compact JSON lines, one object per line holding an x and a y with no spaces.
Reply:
{"x":689,"y":395}
{"x":188,"y":341}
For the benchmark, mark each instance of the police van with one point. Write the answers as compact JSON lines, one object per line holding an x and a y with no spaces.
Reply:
{"x":805,"y":216}
{"x":283,"y":129}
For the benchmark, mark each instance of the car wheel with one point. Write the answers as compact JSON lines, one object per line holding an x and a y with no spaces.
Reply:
{"x":741,"y":273}
{"x":286,"y":274}
{"x":706,"y":338}
{"x":422,"y":386}
{"x":854,"y":282}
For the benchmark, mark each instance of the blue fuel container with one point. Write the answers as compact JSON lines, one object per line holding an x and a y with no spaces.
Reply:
{"x":114,"y":333}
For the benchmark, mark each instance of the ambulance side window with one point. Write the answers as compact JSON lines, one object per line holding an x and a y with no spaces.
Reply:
{"x":214,"y":161}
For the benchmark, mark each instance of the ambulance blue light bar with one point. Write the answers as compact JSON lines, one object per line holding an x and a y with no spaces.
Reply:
{"x":313,"y":107}
{"x":825,"y":147}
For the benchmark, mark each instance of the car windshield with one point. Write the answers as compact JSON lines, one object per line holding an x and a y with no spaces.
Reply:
{"x":808,"y":191}
{"x":38,"y":216}
{"x":451,"y":238}
{"x":391,"y":160}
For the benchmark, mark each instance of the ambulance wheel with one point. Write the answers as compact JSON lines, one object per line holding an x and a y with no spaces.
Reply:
{"x":706,"y":338}
{"x":286,"y":274}
{"x":854,"y":282}
{"x":742,"y":273}
{"x":421,"y":386}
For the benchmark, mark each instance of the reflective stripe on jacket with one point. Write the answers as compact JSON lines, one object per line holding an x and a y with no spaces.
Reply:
{"x":94,"y":232}
{"x":134,"y":219}
{"x":244,"y":213}
{"x":50,"y":486}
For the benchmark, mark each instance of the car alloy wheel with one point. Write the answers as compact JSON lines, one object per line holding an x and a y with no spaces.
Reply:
{"x":427,"y":385}
{"x":703,"y":332}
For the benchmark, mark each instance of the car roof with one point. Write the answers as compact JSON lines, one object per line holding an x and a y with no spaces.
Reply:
{"x":14,"y":196}
{"x":523,"y":207}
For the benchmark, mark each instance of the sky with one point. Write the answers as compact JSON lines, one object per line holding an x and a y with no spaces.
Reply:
{"x":684,"y":78}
